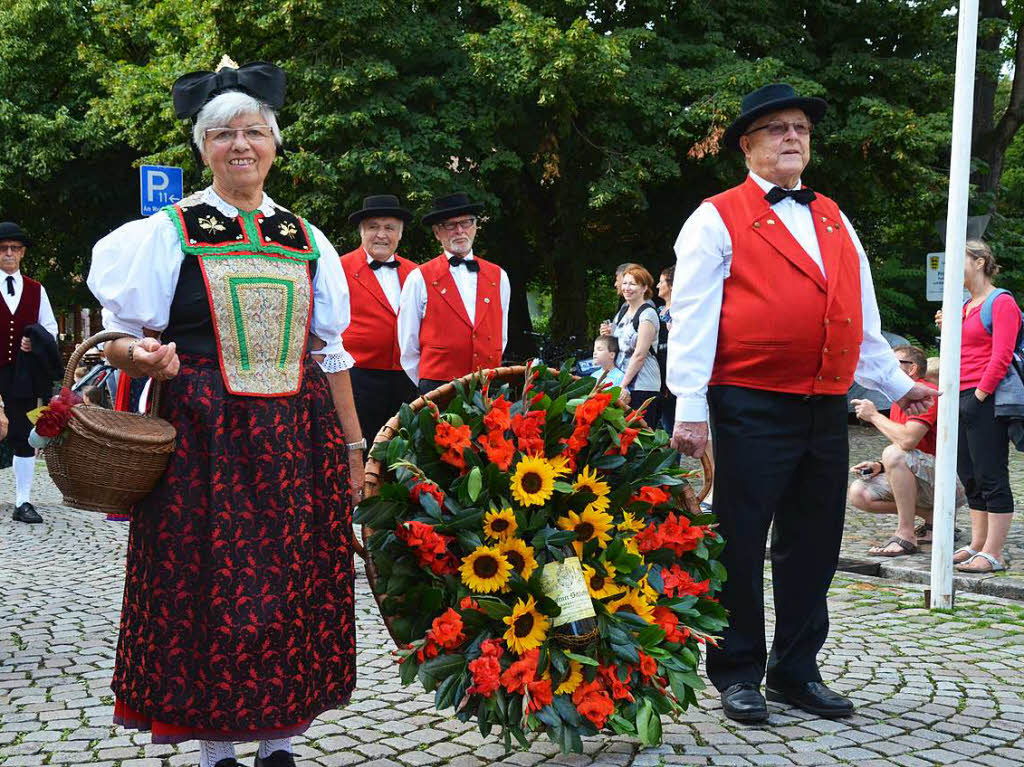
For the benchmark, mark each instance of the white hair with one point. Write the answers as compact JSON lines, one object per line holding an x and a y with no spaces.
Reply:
{"x":401,"y":223}
{"x":222,"y":109}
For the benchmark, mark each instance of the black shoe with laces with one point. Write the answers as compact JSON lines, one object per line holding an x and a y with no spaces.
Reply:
{"x":229,"y":762}
{"x":279,"y":758}
{"x":743,"y":702}
{"x":27,"y":513}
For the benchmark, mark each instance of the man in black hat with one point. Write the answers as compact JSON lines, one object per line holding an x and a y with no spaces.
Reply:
{"x":774,"y":307}
{"x":453,"y":317}
{"x":25,"y":304}
{"x":375,"y":275}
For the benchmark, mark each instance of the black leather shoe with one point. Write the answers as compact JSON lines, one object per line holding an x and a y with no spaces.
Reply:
{"x":280,"y":758}
{"x":812,"y":697}
{"x":27,"y":513}
{"x":229,"y":762}
{"x":743,"y":702}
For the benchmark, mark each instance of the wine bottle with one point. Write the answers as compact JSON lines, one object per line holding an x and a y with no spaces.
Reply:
{"x":563,"y":582}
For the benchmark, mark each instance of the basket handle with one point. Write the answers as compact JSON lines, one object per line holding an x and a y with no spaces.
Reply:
{"x":96,"y":340}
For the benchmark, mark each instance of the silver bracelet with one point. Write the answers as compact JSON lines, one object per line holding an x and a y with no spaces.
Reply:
{"x":360,"y":445}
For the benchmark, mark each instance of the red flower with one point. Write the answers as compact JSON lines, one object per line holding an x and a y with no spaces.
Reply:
{"x":430,"y":548}
{"x":619,"y":687}
{"x":523,"y":671}
{"x":593,"y":702}
{"x":486,"y":673}
{"x":468,"y":603}
{"x":498,"y":417}
{"x":649,"y":539}
{"x":454,"y":439}
{"x":654,"y":496}
{"x":679,"y":535}
{"x":591,"y":408}
{"x":678,"y":582}
{"x":499,"y":450}
{"x":648,"y":666}
{"x":540,"y":694}
{"x":51,"y":422}
{"x":446,"y":630}
{"x":491,"y":648}
{"x":669,"y":622}
{"x":528,"y":430}
{"x":429,"y":650}
{"x":626,"y":439}
{"x":430,"y":489}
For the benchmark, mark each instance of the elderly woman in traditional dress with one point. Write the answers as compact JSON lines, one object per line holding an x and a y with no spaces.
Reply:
{"x":238,"y":621}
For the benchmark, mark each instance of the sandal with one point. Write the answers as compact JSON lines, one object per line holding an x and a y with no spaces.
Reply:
{"x":995,"y":565}
{"x":923,"y":532}
{"x":971,"y":553}
{"x":906,"y":548}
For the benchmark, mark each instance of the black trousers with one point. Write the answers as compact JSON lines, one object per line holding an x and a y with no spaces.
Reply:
{"x":378,"y":395}
{"x":781,"y":462}
{"x":982,"y":458}
{"x":428,"y":385}
{"x":16,"y":409}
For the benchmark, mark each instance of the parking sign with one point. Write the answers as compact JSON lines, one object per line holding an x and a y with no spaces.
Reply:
{"x":159,"y":185}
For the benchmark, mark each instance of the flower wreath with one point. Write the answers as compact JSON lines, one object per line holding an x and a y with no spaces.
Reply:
{"x":473,"y":545}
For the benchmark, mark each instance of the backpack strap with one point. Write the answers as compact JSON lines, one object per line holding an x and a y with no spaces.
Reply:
{"x":986,"y":308}
{"x":621,"y":313}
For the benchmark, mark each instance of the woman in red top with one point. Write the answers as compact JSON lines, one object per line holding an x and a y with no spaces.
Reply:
{"x":983,"y":443}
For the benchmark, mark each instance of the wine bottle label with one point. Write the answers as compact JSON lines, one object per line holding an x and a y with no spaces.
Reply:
{"x":565,"y":584}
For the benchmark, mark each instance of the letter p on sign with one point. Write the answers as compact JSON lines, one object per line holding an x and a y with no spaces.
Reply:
{"x":159,"y":186}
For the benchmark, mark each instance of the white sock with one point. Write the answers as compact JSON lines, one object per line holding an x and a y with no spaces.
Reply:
{"x":212,"y":751}
{"x":267,"y":747}
{"x":24,"y":471}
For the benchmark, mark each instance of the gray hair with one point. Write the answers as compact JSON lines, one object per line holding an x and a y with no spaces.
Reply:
{"x":401,"y":223}
{"x":981,"y":249}
{"x":222,"y":109}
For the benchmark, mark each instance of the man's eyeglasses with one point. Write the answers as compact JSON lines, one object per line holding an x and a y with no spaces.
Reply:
{"x":254,"y":134}
{"x":15,"y":249}
{"x":465,"y":223}
{"x":780,"y":129}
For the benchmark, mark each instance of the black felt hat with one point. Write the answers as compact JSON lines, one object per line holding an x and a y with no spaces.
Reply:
{"x":449,"y":206}
{"x":11,"y":231}
{"x":380,"y":205}
{"x":768,"y":99}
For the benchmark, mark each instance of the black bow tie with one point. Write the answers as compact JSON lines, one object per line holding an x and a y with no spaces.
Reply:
{"x":469,"y":263}
{"x":803,"y":196}
{"x":375,"y":265}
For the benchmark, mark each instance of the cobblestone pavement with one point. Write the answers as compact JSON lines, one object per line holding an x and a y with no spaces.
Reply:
{"x":930,"y":688}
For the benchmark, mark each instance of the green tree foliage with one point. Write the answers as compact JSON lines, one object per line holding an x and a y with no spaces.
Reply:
{"x":591,"y":128}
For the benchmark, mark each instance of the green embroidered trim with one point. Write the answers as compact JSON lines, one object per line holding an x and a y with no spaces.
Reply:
{"x":237,"y":283}
{"x":253,"y":247}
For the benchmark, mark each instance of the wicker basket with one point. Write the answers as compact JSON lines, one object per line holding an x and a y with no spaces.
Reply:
{"x":108,"y":460}
{"x":376,"y":474}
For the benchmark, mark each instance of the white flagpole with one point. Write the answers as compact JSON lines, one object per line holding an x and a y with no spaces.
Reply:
{"x":952,"y":302}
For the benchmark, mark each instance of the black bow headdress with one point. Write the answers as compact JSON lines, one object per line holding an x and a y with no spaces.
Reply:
{"x":260,"y":79}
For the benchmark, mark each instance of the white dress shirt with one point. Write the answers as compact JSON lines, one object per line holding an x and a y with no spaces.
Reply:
{"x":46,"y":318}
{"x":387,"y":278}
{"x":135,"y":270}
{"x":703,"y":259}
{"x":413,"y":307}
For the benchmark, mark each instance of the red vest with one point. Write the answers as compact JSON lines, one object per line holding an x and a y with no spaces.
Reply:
{"x":372,"y":334}
{"x":784,"y":327}
{"x":13,"y":325}
{"x":451,"y":346}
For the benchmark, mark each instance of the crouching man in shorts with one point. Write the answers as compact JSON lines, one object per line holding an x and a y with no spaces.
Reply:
{"x":903,"y":481}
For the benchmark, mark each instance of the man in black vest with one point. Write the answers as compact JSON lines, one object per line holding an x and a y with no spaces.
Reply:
{"x":25,"y":304}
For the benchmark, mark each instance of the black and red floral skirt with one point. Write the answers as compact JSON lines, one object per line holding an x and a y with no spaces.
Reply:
{"x":238,"y":619}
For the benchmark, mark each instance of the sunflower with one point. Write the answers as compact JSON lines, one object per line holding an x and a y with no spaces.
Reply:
{"x":629,"y":544}
{"x":588,"y":526}
{"x":587,"y":480}
{"x":485,"y":570}
{"x":500,"y":525}
{"x":630,"y":524}
{"x":601,"y":586}
{"x":519,"y":556}
{"x":527,"y":628}
{"x":534,"y":481}
{"x":633,"y":602}
{"x":572,"y":681}
{"x":560,"y":464}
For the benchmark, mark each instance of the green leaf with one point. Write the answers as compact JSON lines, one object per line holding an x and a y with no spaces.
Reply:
{"x":433,"y":671}
{"x":495,"y":608}
{"x":608,"y":462}
{"x":644,"y":715}
{"x":563,"y":705}
{"x":474,"y":483}
{"x":584,"y":659}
